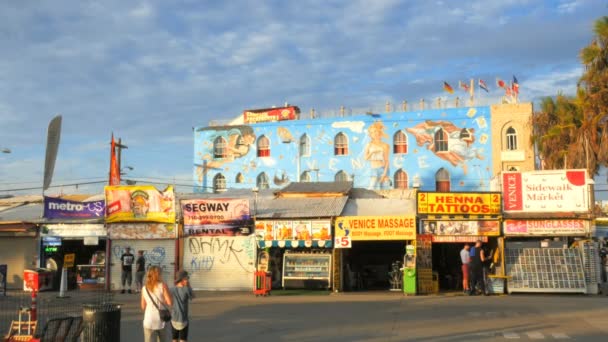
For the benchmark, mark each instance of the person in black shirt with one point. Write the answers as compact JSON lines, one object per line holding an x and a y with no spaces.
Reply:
{"x":140,"y":271}
{"x":476,"y":268}
{"x":126,"y":276}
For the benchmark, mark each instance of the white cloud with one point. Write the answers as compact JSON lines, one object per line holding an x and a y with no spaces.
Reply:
{"x":569,"y":6}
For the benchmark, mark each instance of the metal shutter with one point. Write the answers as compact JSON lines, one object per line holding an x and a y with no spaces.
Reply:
{"x":157,"y":252}
{"x":220,"y":263}
{"x":17,"y":253}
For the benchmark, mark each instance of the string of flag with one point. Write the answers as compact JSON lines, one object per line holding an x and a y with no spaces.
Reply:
{"x":511,"y":89}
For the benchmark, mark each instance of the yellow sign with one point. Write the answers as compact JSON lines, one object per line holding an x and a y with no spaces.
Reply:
{"x":139,"y":204}
{"x":454,"y":203}
{"x":68,"y":260}
{"x":370,"y":228}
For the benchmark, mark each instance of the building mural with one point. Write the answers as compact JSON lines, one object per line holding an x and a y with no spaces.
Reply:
{"x":376,"y":151}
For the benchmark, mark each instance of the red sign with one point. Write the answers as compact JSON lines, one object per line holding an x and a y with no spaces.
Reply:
{"x":270,"y":114}
{"x":569,"y":227}
{"x":512,"y":193}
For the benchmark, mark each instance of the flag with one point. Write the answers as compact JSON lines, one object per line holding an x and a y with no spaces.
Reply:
{"x":448,"y":88}
{"x":483,"y":85}
{"x":508,"y":92}
{"x":515,"y":86}
{"x":114,"y":171}
{"x":463,"y":86}
{"x":500,"y":83}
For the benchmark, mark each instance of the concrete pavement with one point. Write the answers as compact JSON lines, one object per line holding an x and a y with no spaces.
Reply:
{"x":384,"y":316}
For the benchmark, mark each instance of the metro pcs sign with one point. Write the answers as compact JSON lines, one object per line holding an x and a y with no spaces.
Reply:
{"x":545,"y":191}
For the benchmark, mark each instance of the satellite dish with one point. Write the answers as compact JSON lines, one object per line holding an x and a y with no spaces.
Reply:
{"x":52,"y":145}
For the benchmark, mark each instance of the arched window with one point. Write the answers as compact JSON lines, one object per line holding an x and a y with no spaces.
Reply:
{"x":401,"y":181}
{"x":341,"y":144}
{"x":442,"y":180}
{"x":441,"y":141}
{"x":305,"y":146}
{"x":263,"y":146}
{"x":239,"y":178}
{"x":399,"y":142}
{"x":511,"y":139}
{"x":220,"y":149}
{"x":305,"y":177}
{"x":341,"y":176}
{"x":219,"y":183}
{"x":262,"y":181}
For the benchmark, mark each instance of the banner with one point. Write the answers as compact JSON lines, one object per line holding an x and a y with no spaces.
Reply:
{"x":57,"y":208}
{"x":453,"y":203}
{"x":567,"y":227}
{"x":297,"y":230}
{"x":372,"y":228}
{"x":139,"y":204}
{"x":461,"y":228}
{"x":270,"y":114}
{"x":546,"y":191}
{"x":213,"y":217}
{"x":137,"y":231}
{"x":459,"y":239}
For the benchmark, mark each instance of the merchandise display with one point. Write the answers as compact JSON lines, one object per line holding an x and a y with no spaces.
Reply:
{"x":302,"y":270}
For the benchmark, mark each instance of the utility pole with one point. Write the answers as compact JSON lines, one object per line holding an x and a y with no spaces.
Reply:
{"x":120,"y":146}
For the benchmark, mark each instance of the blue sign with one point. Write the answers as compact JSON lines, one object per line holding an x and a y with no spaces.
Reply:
{"x":57,"y":208}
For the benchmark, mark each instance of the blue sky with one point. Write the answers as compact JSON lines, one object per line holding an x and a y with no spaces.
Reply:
{"x":149,"y":71}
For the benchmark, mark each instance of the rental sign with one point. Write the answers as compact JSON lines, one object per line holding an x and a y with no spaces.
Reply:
{"x":213,"y":217}
{"x":545,"y":191}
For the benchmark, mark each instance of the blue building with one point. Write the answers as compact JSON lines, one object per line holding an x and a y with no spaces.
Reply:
{"x":452,"y":149}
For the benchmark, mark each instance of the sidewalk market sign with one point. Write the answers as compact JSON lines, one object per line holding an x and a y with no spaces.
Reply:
{"x":139,"y":204}
{"x":558,"y":227}
{"x":215,"y":217}
{"x":546,"y":191}
{"x":57,"y":208}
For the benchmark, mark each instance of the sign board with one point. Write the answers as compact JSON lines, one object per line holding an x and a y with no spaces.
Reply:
{"x":139,"y":204}
{"x":270,"y":114}
{"x":68,"y":260}
{"x":57,"y":208}
{"x":458,"y":239}
{"x":461,"y":228}
{"x":137,"y":231}
{"x":286,"y":230}
{"x":376,"y":228}
{"x":545,"y":191}
{"x":91,"y":240}
{"x":213,"y":217}
{"x":454,"y":203}
{"x":343,"y":242}
{"x":51,"y":241}
{"x":559,"y":227}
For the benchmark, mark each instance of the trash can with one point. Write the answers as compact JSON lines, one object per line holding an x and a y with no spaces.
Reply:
{"x":101,"y":322}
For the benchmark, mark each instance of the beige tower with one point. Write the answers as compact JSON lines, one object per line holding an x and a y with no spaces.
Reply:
{"x":512,"y":130}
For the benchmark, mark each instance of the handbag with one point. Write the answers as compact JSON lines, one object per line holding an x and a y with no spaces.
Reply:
{"x":165,"y":313}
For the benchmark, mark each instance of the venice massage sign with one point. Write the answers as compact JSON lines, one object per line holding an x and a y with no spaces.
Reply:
{"x":442,"y":203}
{"x":366,"y":228}
{"x":546,"y":191}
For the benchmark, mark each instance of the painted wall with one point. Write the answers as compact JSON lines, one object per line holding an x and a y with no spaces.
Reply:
{"x":468,"y":159}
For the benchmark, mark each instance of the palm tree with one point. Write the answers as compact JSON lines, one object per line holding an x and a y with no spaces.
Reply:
{"x":593,"y":98}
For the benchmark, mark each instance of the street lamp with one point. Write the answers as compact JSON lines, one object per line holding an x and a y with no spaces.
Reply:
{"x":129,"y":168}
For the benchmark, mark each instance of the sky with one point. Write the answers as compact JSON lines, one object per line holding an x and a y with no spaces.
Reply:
{"x":150,"y":71}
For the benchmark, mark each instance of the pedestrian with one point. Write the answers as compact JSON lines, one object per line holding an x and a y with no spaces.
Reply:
{"x":140,"y":270}
{"x":477,"y":259}
{"x":155,"y":296}
{"x":465,"y":258}
{"x":181,"y":295}
{"x":126,"y":276}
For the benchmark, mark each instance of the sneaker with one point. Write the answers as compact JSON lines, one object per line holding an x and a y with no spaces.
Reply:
{"x":129,"y":291}
{"x":123,"y":291}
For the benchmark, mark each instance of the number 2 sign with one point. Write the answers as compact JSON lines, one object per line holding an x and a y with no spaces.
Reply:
{"x":343,"y":242}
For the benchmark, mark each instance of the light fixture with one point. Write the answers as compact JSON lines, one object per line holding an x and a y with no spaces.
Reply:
{"x":6,"y":150}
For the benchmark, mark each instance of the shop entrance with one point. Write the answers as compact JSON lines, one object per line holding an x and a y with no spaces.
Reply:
{"x":367,"y":265}
{"x":84,"y":255}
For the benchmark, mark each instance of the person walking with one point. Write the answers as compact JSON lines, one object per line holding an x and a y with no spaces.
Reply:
{"x":140,"y":271}
{"x":155,"y":296}
{"x":465,"y":258}
{"x":126,"y":276}
{"x":181,"y":295}
{"x":476,"y":267}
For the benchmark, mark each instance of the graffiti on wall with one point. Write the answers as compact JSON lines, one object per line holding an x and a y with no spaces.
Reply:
{"x":206,"y":252}
{"x":389,"y":151}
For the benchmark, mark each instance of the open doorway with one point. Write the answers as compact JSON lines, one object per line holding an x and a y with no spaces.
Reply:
{"x":367,"y":265}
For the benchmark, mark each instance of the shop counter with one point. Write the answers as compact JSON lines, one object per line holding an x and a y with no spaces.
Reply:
{"x":91,"y":276}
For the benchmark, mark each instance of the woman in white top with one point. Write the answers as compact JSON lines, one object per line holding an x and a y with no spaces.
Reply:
{"x":155,"y":290}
